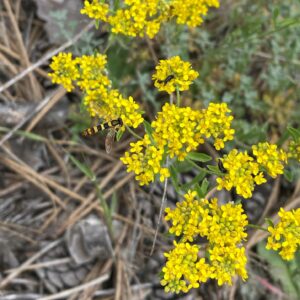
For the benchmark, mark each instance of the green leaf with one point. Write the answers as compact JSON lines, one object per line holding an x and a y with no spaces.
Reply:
{"x":270,"y":222}
{"x":184,"y":166}
{"x":174,"y":178}
{"x":83,"y":168}
{"x":113,"y":204}
{"x":204,"y":187}
{"x":288,"y":175}
{"x":215,"y":169}
{"x":97,"y":24}
{"x":197,"y":156}
{"x":148,"y":127}
{"x":32,"y":136}
{"x":195,"y":180}
{"x":294,"y":133}
{"x":197,"y":188}
{"x":275,"y":15}
{"x":119,"y":135}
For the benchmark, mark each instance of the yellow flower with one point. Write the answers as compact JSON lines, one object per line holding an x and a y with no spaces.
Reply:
{"x":145,"y":161}
{"x":270,"y":158}
{"x":190,"y":217}
{"x":217,"y":124}
{"x":190,"y":12}
{"x":179,"y":73}
{"x":285,"y":236}
{"x":227,"y":224}
{"x":177,"y":130}
{"x":242,"y":173}
{"x":65,"y":70}
{"x":294,"y":149}
{"x":222,"y":225}
{"x":110,"y":104}
{"x":95,"y":10}
{"x":183,"y":271}
{"x":175,"y":127}
{"x":139,"y":17}
{"x":227,"y":262}
{"x":92,"y":72}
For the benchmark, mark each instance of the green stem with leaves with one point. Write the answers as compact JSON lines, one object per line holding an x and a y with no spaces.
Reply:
{"x":257,"y":227}
{"x":133,"y":133}
{"x":200,"y":168}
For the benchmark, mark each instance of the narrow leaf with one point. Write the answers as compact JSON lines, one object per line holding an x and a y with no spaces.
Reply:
{"x":294,"y":133}
{"x":83,"y":168}
{"x":197,"y":156}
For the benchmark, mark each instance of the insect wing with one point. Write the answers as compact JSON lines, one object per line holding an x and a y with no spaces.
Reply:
{"x":110,"y":139}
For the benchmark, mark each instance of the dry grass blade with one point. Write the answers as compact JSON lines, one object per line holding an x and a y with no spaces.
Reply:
{"x":26,"y":264}
{"x":35,"y":180}
{"x":45,"y":58}
{"x":34,"y":83}
{"x":56,"y":97}
{"x":29,"y":116}
{"x":19,"y":235}
{"x":45,"y":264}
{"x":79,"y":288}
{"x":272,"y":199}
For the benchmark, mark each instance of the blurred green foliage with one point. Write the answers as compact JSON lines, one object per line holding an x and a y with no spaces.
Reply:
{"x":286,"y":272}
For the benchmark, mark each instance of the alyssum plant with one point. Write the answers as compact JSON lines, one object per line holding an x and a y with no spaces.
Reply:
{"x":174,"y":136}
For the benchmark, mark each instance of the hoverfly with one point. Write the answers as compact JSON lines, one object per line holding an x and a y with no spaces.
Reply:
{"x":112,"y":127}
{"x":165,"y":81}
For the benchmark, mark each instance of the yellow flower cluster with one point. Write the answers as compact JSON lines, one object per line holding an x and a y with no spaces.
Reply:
{"x":285,"y":236}
{"x":174,"y":73}
{"x":191,"y":12}
{"x":182,"y":263}
{"x":140,"y":18}
{"x":217,"y":123}
{"x":95,"y":10}
{"x":271,"y":159}
{"x":65,"y":70}
{"x":177,"y":131}
{"x":227,"y":262}
{"x":92,"y":72}
{"x":90,"y":75}
{"x":223,"y":227}
{"x":145,"y":160}
{"x":227,"y":224}
{"x":242,"y":173}
{"x":190,"y":217}
{"x":294,"y":149}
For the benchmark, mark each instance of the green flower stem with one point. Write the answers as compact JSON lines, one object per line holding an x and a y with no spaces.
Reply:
{"x":178,"y":96}
{"x":106,"y":210}
{"x":257,"y":227}
{"x":133,"y":133}
{"x":199,"y":168}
